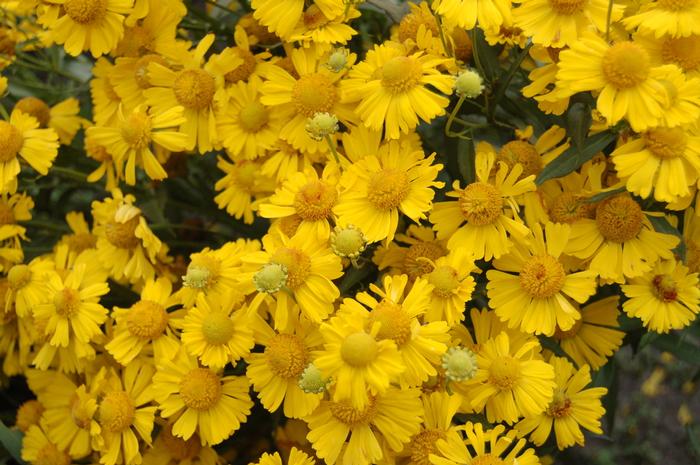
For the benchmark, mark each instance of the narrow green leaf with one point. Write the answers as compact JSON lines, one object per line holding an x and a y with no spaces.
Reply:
{"x":604,"y":195}
{"x":465,"y":160}
{"x":485,"y":56}
{"x":572,"y":158}
{"x":12,"y":442}
{"x":607,"y":377}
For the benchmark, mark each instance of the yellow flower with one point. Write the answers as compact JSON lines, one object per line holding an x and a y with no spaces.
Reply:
{"x":249,"y":69}
{"x":108,"y":166}
{"x":154,"y":32}
{"x":572,"y":408}
{"x":317,"y":28}
{"x":411,"y":253}
{"x":281,"y":17}
{"x":170,"y":450}
{"x":489,"y":14}
{"x":200,"y":400}
{"x":37,"y":447}
{"x":105,"y":100}
{"x":129,"y":79}
{"x":80,"y":239}
{"x":452,"y":287}
{"x":666,"y":18}
{"x":28,"y":285}
{"x":13,"y":209}
{"x":16,"y":336}
{"x":29,"y":413}
{"x":296,"y":457}
{"x":284,"y":160}
{"x":241,"y":184}
{"x":62,"y":117}
{"x":666,"y":298}
{"x":683,"y":52}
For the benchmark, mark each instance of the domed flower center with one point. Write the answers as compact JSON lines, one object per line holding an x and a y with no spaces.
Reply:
{"x":141,"y":69}
{"x":28,"y":414}
{"x":504,"y":372}
{"x":202,"y":272}
{"x":445,"y":279}
{"x":423,"y":444}
{"x":35,"y":107}
{"x":567,"y":7}
{"x":286,"y":355}
{"x":394,"y":322}
{"x":194,"y":89}
{"x":314,"y":18}
{"x":11,"y":142}
{"x":116,"y":411}
{"x":569,"y":333}
{"x":217,"y":328}
{"x":388,"y":188}
{"x":542,"y":276}
{"x":67,"y":302}
{"x":567,"y":208}
{"x":147,"y":319}
{"x":243,"y":71}
{"x":414,"y":264}
{"x":86,"y":11}
{"x":487,"y":459}
{"x":409,"y":25}
{"x":481,"y":203}
{"x":677,"y":5}
{"x":253,"y":116}
{"x":682,"y":51}
{"x":246,"y":174}
{"x":7,"y":215}
{"x":49,"y":454}
{"x":298,"y":265}
{"x":459,"y":364}
{"x":359,"y":349}
{"x":665,"y":288}
{"x":400,"y":74}
{"x":315,"y":201}
{"x":270,"y":278}
{"x":619,"y":219}
{"x":560,"y":406}
{"x":348,"y":242}
{"x":178,"y":448}
{"x":626,"y":65}
{"x":123,"y":235}
{"x":666,"y":142}
{"x":314,"y":93}
{"x":312,"y":381}
{"x":524,"y":153}
{"x":200,"y":389}
{"x":79,"y":242}
{"x":19,"y":276}
{"x":136,"y":129}
{"x":351,"y":416}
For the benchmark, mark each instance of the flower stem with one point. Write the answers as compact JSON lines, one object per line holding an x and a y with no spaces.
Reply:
{"x":332,"y":147}
{"x":453,"y":114}
{"x":608,"y":20}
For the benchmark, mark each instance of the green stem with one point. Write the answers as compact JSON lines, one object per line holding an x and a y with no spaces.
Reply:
{"x":452,"y":116}
{"x":514,"y":67}
{"x":332,"y":147}
{"x":475,"y":55}
{"x":68,"y":173}
{"x":608,"y":21}
{"x":448,"y":51}
{"x":3,"y":112}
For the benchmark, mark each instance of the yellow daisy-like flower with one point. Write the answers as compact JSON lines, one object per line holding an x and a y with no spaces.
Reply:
{"x":38,"y":448}
{"x":389,"y":89}
{"x":123,"y":412}
{"x":484,"y":216}
{"x":483,"y":447}
{"x":571,"y":409}
{"x":153,"y":32}
{"x":21,"y":137}
{"x":683,"y":52}
{"x":691,"y":239}
{"x":62,"y":117}
{"x":29,"y":413}
{"x":249,"y":70}
{"x":537,"y":299}
{"x":318,"y":29}
{"x":80,"y":25}
{"x":80,"y":238}
{"x":620,"y":241}
{"x":377,"y":187}
{"x":200,"y":400}
{"x":346,"y":435}
{"x":146,"y":325}
{"x":510,"y":383}
{"x":665,"y":160}
{"x":217,"y":331}
{"x":666,"y":18}
{"x":277,"y":372}
{"x":280,"y":17}
{"x":629,"y":86}
{"x":131,"y":140}
{"x":489,"y":14}
{"x":666,"y":298}
{"x":284,"y":160}
{"x":296,"y":457}
{"x":452,"y":286}
{"x":16,"y":336}
{"x":241,"y":184}
{"x":108,"y":167}
{"x":129,"y":78}
{"x":14,"y":208}
{"x":28,"y":285}
{"x":170,"y":450}
{"x":105,"y":100}
{"x":683,"y":106}
{"x":411,"y":253}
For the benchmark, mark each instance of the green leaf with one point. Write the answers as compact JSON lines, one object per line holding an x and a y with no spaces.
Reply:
{"x":680,"y":347}
{"x":12,"y":442}
{"x":465,"y":160}
{"x":578,"y":122}
{"x":485,"y":56}
{"x":604,"y":195}
{"x":573,"y":158}
{"x":607,"y":377}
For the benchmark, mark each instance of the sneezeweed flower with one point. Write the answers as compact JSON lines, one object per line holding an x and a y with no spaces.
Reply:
{"x":348,"y":242}
{"x":27,"y":285}
{"x":377,"y":187}
{"x":171,"y":450}
{"x":28,"y":413}
{"x":129,"y":78}
{"x":280,"y":17}
{"x":152,"y":30}
{"x":16,"y":336}
{"x":452,"y":287}
{"x":21,"y":137}
{"x":147,"y":326}
{"x":199,"y":400}
{"x":389,"y":89}
{"x":459,"y":364}
{"x":484,"y":216}
{"x":469,"y":84}
{"x":37,"y":447}
{"x":62,"y":117}
{"x":321,"y":125}
{"x":343,"y":434}
{"x":296,"y":457}
{"x":316,"y":28}
{"x":105,"y":100}
{"x":108,"y":168}
{"x":14,"y":208}
{"x":490,"y":14}
{"x":411,"y":252}
{"x":680,"y":51}
{"x":666,"y":298}
{"x":240,"y":188}
{"x":666,"y":18}
{"x":80,"y":238}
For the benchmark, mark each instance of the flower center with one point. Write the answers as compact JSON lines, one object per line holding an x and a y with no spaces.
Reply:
{"x":315,"y":201}
{"x":11,"y":142}
{"x":35,"y":107}
{"x":395,"y":324}
{"x":270,"y":278}
{"x":682,"y":51}
{"x":388,"y":188}
{"x":413,"y":264}
{"x":217,"y":328}
{"x":619,"y":219}
{"x":194,"y":88}
{"x":542,"y":276}
{"x":459,"y":364}
{"x":123,"y":235}
{"x":141,"y":71}
{"x":28,"y":414}
{"x":359,"y":349}
{"x":351,"y":416}
{"x":246,"y":175}
{"x":286,"y":356}
{"x":202,"y":272}
{"x":136,"y":130}
{"x":560,"y":406}
{"x":298,"y":265}
{"x":423,"y":444}
{"x":49,"y":454}
{"x":314,"y":17}
{"x":67,"y":302}
{"x":567,"y":7}
{"x":200,"y":389}
{"x":677,"y":5}
{"x":487,"y":459}
{"x":569,"y":333}
{"x":481,"y":203}
{"x":79,"y":242}
{"x":314,"y":93}
{"x":253,"y":116}
{"x":147,"y":319}
{"x":524,"y":153}
{"x":19,"y":276}
{"x":86,"y":11}
{"x":445,"y":279}
{"x":409,"y":25}
{"x":116,"y":411}
{"x":178,"y":448}
{"x":348,"y":241}
{"x":400,"y":74}
{"x":666,"y":142}
{"x":7,"y":215}
{"x":504,"y":372}
{"x":136,"y":41}
{"x":626,"y":65}
{"x":664,"y":287}
{"x":243,"y":71}
{"x":568,"y":207}
{"x":312,"y":381}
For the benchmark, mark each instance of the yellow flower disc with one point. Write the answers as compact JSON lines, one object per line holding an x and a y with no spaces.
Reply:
{"x":253,"y":117}
{"x":315,"y":201}
{"x":35,"y":107}
{"x":504,"y":372}
{"x":423,"y":444}
{"x":359,"y":349}
{"x":297,"y":263}
{"x":49,"y":454}
{"x":665,"y":288}
{"x":116,"y":411}
{"x":123,"y":235}
{"x":200,"y":389}
{"x":560,"y":406}
{"x":542,"y":276}
{"x":19,"y":276}
{"x":626,"y":65}
{"x":567,"y":7}
{"x":11,"y":142}
{"x":567,"y":208}
{"x":682,"y":51}
{"x":141,"y":71}
{"x":86,"y":11}
{"x":351,"y":416}
{"x":136,"y":130}
{"x":395,"y":323}
{"x":666,"y":142}
{"x":67,"y":302}
{"x":481,"y":203}
{"x":619,"y":219}
{"x":401,"y":74}
{"x":179,"y":449}
{"x":445,"y":280}
{"x":243,"y":71}
{"x":388,"y":188}
{"x":677,"y":5}
{"x":28,"y":414}
{"x":147,"y":319}
{"x":314,"y":93}
{"x":217,"y":328}
{"x":518,"y":151}
{"x":194,"y":88}
{"x":286,"y":356}
{"x":413,"y":264}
